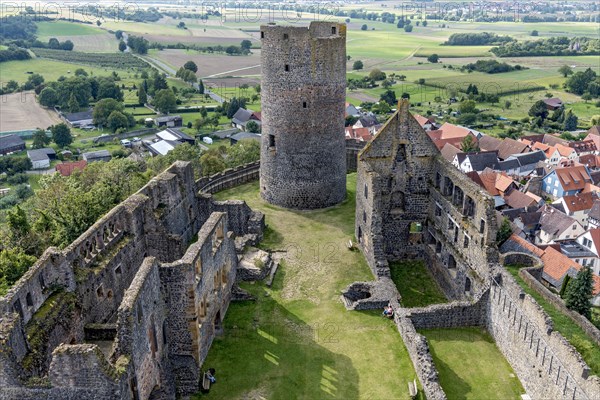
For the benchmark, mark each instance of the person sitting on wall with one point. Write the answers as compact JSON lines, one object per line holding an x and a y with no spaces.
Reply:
{"x":210,"y":374}
{"x":388,"y":312}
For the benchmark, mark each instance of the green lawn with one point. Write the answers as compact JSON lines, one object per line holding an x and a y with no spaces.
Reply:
{"x":297,"y":341}
{"x":470,"y":365}
{"x":563,"y":324}
{"x":415,"y":284}
{"x":63,"y":28}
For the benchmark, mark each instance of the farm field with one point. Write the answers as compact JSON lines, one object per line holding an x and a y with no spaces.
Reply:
{"x":470,"y":365}
{"x":211,"y":65}
{"x":50,"y":69}
{"x":63,"y":28}
{"x":20,"y":111}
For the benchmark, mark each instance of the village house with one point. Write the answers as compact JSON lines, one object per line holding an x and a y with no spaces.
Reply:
{"x":510,"y":147}
{"x":591,"y":241}
{"x":40,"y":158}
{"x":489,"y":143}
{"x":452,"y":134}
{"x":175,"y":135}
{"x":555,"y":226}
{"x":577,"y":206}
{"x":553,"y":103}
{"x":242,"y":116}
{"x":527,"y":161}
{"x":584,"y":147}
{"x":467,"y":162}
{"x":93,"y":156}
{"x":67,"y":169}
{"x":566,"y":181}
{"x":170,"y":121}
{"x":11,"y":144}
{"x":82,"y":119}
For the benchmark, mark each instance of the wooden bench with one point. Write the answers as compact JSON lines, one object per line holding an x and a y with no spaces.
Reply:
{"x":412,"y":389}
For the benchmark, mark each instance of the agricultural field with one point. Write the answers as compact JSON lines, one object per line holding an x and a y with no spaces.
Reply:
{"x":211,"y":65}
{"x":50,"y":69}
{"x":50,"y":29}
{"x":20,"y":111}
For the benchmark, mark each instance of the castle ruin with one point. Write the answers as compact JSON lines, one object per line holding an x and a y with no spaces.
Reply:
{"x":303,"y":88}
{"x":130,"y":309}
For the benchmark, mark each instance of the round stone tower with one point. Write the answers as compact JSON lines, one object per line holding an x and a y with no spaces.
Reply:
{"x":303,"y":89}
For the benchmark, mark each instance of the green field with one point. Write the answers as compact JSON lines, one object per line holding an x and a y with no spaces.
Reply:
{"x":415,"y":284}
{"x":470,"y":365}
{"x":51,"y":70}
{"x":297,"y":341}
{"x":62,"y":28}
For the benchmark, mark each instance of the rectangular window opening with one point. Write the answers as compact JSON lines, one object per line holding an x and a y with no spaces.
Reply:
{"x":333,"y":30}
{"x":271,"y":140}
{"x":304,"y":105}
{"x":262,"y":34}
{"x":287,"y":68}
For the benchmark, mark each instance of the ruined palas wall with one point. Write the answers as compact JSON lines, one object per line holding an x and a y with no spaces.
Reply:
{"x":461,"y":232}
{"x":199,"y":287}
{"x":547,"y":365}
{"x":97,"y":270}
{"x":303,"y":159}
{"x":392,"y":190}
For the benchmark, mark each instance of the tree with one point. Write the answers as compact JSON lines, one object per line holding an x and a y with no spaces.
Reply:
{"x":119,"y":34}
{"x":364,"y":27}
{"x":80,"y":72}
{"x":377,"y":75}
{"x":358,"y":65}
{"x":142,"y":96}
{"x":252,"y":127}
{"x":200,"y":87}
{"x":212,"y":163}
{"x":507,"y":104}
{"x":564,"y":286}
{"x":122,"y":46}
{"x":117,"y":120}
{"x":165,"y":101}
{"x":504,"y":232}
{"x":389,"y":96}
{"x":434,"y":58}
{"x":246,"y":44}
{"x":424,"y":23}
{"x":181,"y":25}
{"x":53,"y":43}
{"x":467,"y":106}
{"x":13,"y":265}
{"x":47,"y":97}
{"x":104,"y":108}
{"x":386,"y":84}
{"x":73,"y":104}
{"x":539,"y":109}
{"x":405,"y":95}
{"x":191,"y":66}
{"x":534,"y":33}
{"x":40,"y":139}
{"x":408,"y":28}
{"x":570,"y":121}
{"x":579,"y":292}
{"x":469,"y":144}
{"x":61,"y":135}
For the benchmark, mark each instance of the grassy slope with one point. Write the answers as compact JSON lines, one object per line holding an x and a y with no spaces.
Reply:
{"x":486,"y":374}
{"x":50,"y":69}
{"x":63,"y":28}
{"x":573,"y":333}
{"x":299,"y":341}
{"x":415,"y":284}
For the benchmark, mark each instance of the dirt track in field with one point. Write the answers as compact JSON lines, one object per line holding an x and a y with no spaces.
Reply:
{"x":19,"y":111}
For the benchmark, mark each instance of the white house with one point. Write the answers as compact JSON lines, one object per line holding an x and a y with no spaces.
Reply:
{"x":40,"y":158}
{"x":591,"y":241}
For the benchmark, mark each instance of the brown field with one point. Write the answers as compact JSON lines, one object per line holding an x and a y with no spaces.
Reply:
{"x":210,"y":65}
{"x":19,"y":111}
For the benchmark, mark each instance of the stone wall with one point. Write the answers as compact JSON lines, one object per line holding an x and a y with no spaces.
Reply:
{"x":547,"y":365}
{"x":229,"y":178}
{"x":303,"y":161}
{"x":131,"y":270}
{"x":527,"y":274}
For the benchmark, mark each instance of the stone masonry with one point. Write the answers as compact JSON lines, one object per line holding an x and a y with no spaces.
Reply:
{"x":303,"y":155}
{"x":411,"y":203}
{"x":130,"y":309}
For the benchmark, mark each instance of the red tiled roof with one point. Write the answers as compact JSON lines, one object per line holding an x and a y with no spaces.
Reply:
{"x":579,"y":202}
{"x":590,"y":160}
{"x":423,"y":120}
{"x":564,"y":151}
{"x":517,"y":199}
{"x":66,"y":169}
{"x":573,"y":178}
{"x":362,"y":134}
{"x":450,"y":131}
{"x":583,"y":145}
{"x":527,"y":245}
{"x":449,"y":152}
{"x":557,"y":265}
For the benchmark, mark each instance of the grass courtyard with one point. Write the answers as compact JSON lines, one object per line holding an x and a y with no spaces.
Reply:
{"x":470,"y":365}
{"x":297,"y":341}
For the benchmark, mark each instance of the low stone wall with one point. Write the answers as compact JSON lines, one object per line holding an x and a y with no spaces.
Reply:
{"x":418,"y":350}
{"x":451,"y":315}
{"x":527,"y":274}
{"x":229,"y":178}
{"x":545,"y":362}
